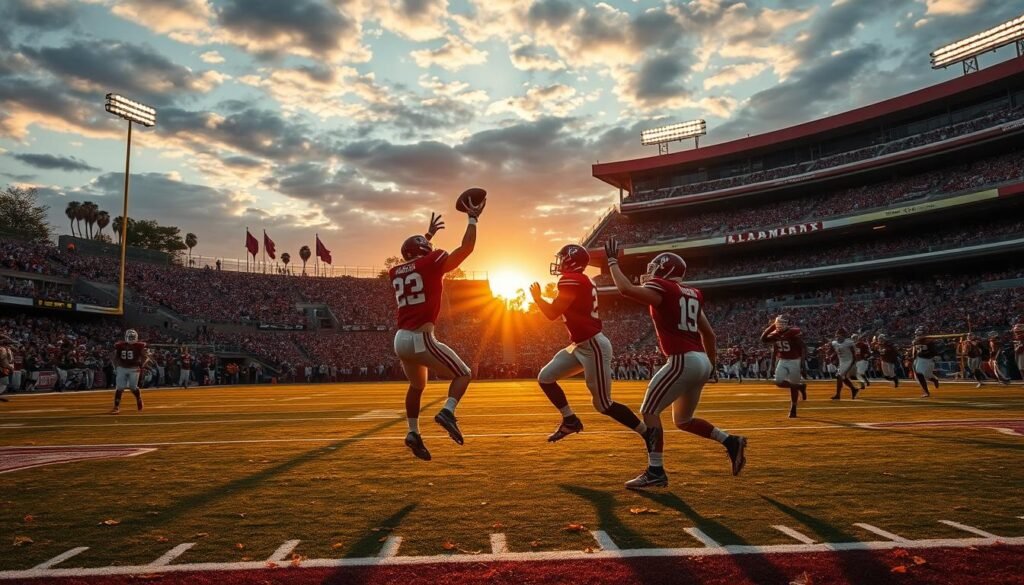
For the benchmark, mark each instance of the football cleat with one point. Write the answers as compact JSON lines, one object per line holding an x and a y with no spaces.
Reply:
{"x":935,"y":381}
{"x":926,"y":394}
{"x":565,"y":429}
{"x":736,"y":446}
{"x":855,"y":391}
{"x":652,"y":437}
{"x":448,"y":422}
{"x":836,"y":396}
{"x":415,"y":442}
{"x":115,"y":410}
{"x":803,"y":391}
{"x":138,"y":402}
{"x":792,"y":412}
{"x":648,"y":479}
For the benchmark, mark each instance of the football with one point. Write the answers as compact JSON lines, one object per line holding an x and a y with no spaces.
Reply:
{"x":473,"y":196}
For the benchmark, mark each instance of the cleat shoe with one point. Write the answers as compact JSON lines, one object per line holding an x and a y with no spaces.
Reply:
{"x":736,"y":446}
{"x":935,"y":381}
{"x":836,"y":397}
{"x":565,"y":429}
{"x":415,"y":442}
{"x":652,"y":437}
{"x":648,"y":479}
{"x":868,"y":382}
{"x":978,"y":385}
{"x":115,"y":410}
{"x":138,"y":403}
{"x":792,"y":412}
{"x":926,"y":394}
{"x":448,"y":422}
{"x":803,"y":391}
{"x":855,"y":391}
{"x":896,"y":383}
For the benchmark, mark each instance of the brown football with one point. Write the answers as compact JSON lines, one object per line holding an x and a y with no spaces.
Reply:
{"x":473,"y":196}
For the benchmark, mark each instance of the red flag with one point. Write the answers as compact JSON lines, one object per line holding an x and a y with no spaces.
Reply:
{"x":251,"y":243}
{"x":268,"y":245}
{"x":322,"y":252}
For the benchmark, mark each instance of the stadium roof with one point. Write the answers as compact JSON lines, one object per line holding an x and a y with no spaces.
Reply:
{"x":618,"y":173}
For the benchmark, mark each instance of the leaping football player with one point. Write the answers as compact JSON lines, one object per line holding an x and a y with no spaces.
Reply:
{"x":129,"y":357}
{"x":788,"y":344}
{"x":842,"y":345}
{"x":590,"y":351}
{"x":418,"y":286}
{"x":924,"y":352}
{"x":686,"y":338}
{"x":887,"y":358}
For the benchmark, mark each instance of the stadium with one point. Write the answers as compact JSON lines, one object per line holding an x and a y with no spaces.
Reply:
{"x":269,"y":446}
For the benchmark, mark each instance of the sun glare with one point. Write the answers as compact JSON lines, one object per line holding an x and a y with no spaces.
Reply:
{"x":507,"y":283}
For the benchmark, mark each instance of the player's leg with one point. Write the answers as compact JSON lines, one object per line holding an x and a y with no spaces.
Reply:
{"x":696,"y":369}
{"x":416,"y":373}
{"x":655,"y":400}
{"x":563,"y":365}
{"x":862,"y":374}
{"x":596,"y":356}
{"x":119,"y":386}
{"x":923,"y":371}
{"x":447,"y":364}
{"x":133,"y":385}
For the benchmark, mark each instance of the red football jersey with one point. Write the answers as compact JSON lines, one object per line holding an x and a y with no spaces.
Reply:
{"x":675,"y":319}
{"x":862,"y":350}
{"x":581,"y":316}
{"x":418,"y":285}
{"x":889,"y":353}
{"x":788,"y":344}
{"x":129,"y":355}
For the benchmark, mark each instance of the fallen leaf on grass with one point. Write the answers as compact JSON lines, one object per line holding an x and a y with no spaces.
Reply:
{"x":271,"y":565}
{"x":589,"y":550}
{"x":919,"y":561}
{"x":574,"y":527}
{"x":109,"y":522}
{"x":337,"y":545}
{"x":201,"y":535}
{"x":642,"y":511}
{"x":483,"y":503}
{"x":497,"y":526}
{"x":900,"y":553}
{"x":241,"y":515}
{"x":239,"y":546}
{"x":162,"y":539}
{"x":469,"y":552}
{"x":534,"y":543}
{"x":22,"y":540}
{"x":449,"y":545}
{"x":28,"y":519}
{"x":803,"y":579}
{"x":297,"y":559}
{"x":382,"y":539}
{"x":899,"y":569}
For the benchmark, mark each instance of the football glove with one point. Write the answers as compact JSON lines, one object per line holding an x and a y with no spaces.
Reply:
{"x":474,"y":212}
{"x":611,"y":249}
{"x":436,"y":225}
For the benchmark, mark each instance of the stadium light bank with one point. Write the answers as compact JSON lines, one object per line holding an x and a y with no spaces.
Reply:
{"x":663,"y":135}
{"x":966,"y":50}
{"x":135,"y":113}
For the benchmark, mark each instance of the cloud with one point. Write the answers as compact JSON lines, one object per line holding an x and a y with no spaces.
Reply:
{"x":453,"y":55}
{"x":40,"y":14}
{"x":551,"y":100}
{"x":418,"y":20}
{"x":212,"y":57}
{"x":54,"y":162}
{"x":733,"y":74}
{"x":951,"y":7}
{"x":529,"y":57}
{"x":166,"y":16}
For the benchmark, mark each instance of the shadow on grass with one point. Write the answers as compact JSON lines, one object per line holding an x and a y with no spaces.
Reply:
{"x":922,"y":434}
{"x":370,"y":544}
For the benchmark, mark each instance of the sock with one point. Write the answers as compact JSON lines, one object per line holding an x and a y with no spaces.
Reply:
{"x":656,"y":460}
{"x":922,"y":382}
{"x":719,"y":435}
{"x":566,"y":411}
{"x":555,"y":394}
{"x":622,"y":415}
{"x":137,"y":394}
{"x":117,"y":397}
{"x":450,"y":404}
{"x":839,"y":386}
{"x":699,"y":427}
{"x":414,"y":425}
{"x":794,"y":395}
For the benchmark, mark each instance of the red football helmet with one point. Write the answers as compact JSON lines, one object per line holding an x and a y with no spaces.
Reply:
{"x":416,"y":247}
{"x":571,"y":258}
{"x":666,"y":265}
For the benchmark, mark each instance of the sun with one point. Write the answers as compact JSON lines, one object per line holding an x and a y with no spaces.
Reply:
{"x":507,"y":283}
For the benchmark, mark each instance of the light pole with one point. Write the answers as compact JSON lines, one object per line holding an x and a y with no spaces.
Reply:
{"x":132,"y":111}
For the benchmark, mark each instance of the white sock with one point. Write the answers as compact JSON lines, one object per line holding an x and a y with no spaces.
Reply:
{"x":450,"y":404}
{"x":641,"y":428}
{"x":414,"y":425}
{"x":719,"y":435}
{"x":566,"y":411}
{"x":656,"y":459}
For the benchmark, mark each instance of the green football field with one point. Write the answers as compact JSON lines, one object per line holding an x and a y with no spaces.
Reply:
{"x":242,"y":471}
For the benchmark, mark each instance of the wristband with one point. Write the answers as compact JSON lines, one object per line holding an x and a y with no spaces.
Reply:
{"x":428,"y":235}
{"x":613,"y":261}
{"x":472,"y":221}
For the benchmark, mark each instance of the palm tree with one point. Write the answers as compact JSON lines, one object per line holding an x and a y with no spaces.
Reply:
{"x":286,"y":258}
{"x":190,"y":240}
{"x":72,"y":212}
{"x":305,"y":254}
{"x":116,"y":226}
{"x":102,"y":220}
{"x":89,"y":211}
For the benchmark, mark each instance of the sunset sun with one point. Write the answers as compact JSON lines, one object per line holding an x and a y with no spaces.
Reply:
{"x":505,"y":283}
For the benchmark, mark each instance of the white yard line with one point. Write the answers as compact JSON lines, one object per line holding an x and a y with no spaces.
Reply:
{"x":60,"y":558}
{"x":880,"y":532}
{"x":283,"y":551}
{"x":795,"y":535}
{"x":967,"y":528}
{"x":390,"y":548}
{"x":172,"y":554}
{"x":702,"y":537}
{"x":499,"y":545}
{"x":604,"y":540}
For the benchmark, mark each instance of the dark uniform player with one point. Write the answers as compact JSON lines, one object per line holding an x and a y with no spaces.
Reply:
{"x":418,"y":288}
{"x":888,"y":357}
{"x":995,"y":347}
{"x":686,"y":338}
{"x":129,"y":357}
{"x":973,"y":351}
{"x":6,"y":367}
{"x":1018,"y":347}
{"x":924,"y":352}
{"x":590,"y":351}
{"x":788,"y":344}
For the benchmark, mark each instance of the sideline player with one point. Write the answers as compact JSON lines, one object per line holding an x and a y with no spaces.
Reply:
{"x":887,"y":358}
{"x":418,"y":286}
{"x":843,"y":345}
{"x":686,"y":338}
{"x":6,"y":366}
{"x":789,"y":348}
{"x":129,"y":357}
{"x":1018,"y":347}
{"x":186,"y":368}
{"x":590,"y":351}
{"x":995,"y":347}
{"x":861,"y":354}
{"x":973,"y":351}
{"x":924,"y":353}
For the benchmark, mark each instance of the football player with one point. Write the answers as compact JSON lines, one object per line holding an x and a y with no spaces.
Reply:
{"x":1018,"y":346}
{"x":842,"y":345}
{"x":686,"y":338}
{"x":590,"y":351}
{"x":924,"y":352}
{"x":186,"y":367}
{"x":789,"y":348}
{"x":973,"y":351}
{"x":130,"y":356}
{"x":995,"y":347}
{"x":418,"y":285}
{"x":861,"y":355}
{"x":887,"y":358}
{"x":6,"y":365}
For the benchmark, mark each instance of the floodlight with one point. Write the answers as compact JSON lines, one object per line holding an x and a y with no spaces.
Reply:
{"x":130,"y":110}
{"x":968,"y":49}
{"x":673,"y":132}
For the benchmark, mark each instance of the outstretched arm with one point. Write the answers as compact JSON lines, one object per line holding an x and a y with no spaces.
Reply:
{"x":459,"y":255}
{"x":626,"y":288}
{"x":555,"y":308}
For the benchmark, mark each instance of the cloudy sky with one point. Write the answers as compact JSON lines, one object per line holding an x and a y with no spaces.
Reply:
{"x":357,"y":118}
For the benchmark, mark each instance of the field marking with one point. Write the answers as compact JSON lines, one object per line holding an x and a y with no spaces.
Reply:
{"x":172,"y":554}
{"x":283,"y":551}
{"x":60,"y":558}
{"x":795,"y":535}
{"x":379,"y":414}
{"x":967,"y":528}
{"x":390,"y":548}
{"x":565,"y":555}
{"x":702,"y":537}
{"x":499,"y":545}
{"x":880,"y":532}
{"x":604,"y":540}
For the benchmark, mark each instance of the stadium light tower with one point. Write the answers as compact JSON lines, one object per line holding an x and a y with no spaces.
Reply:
{"x":135,"y":113}
{"x":966,"y":50}
{"x":673,"y":132}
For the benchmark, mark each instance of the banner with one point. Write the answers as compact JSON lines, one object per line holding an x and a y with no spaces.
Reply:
{"x":277,"y":327}
{"x":47,"y":380}
{"x":48,"y":304}
{"x":322,"y":252}
{"x":268,"y":245}
{"x":251,"y":244}
{"x":771,"y":234}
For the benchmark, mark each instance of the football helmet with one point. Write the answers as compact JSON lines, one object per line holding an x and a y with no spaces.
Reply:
{"x":416,"y":247}
{"x":993,"y":334}
{"x":571,"y":258}
{"x":666,"y":265}
{"x":882,"y":337}
{"x":782,"y":322}
{"x":131,"y":336}
{"x":919,"y":331}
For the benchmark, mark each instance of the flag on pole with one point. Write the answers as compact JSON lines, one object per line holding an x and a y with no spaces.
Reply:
{"x":322,"y":252}
{"x":268,"y":245}
{"x":251,"y":244}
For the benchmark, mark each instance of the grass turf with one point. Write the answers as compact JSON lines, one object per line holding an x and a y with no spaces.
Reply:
{"x":241,"y":470}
